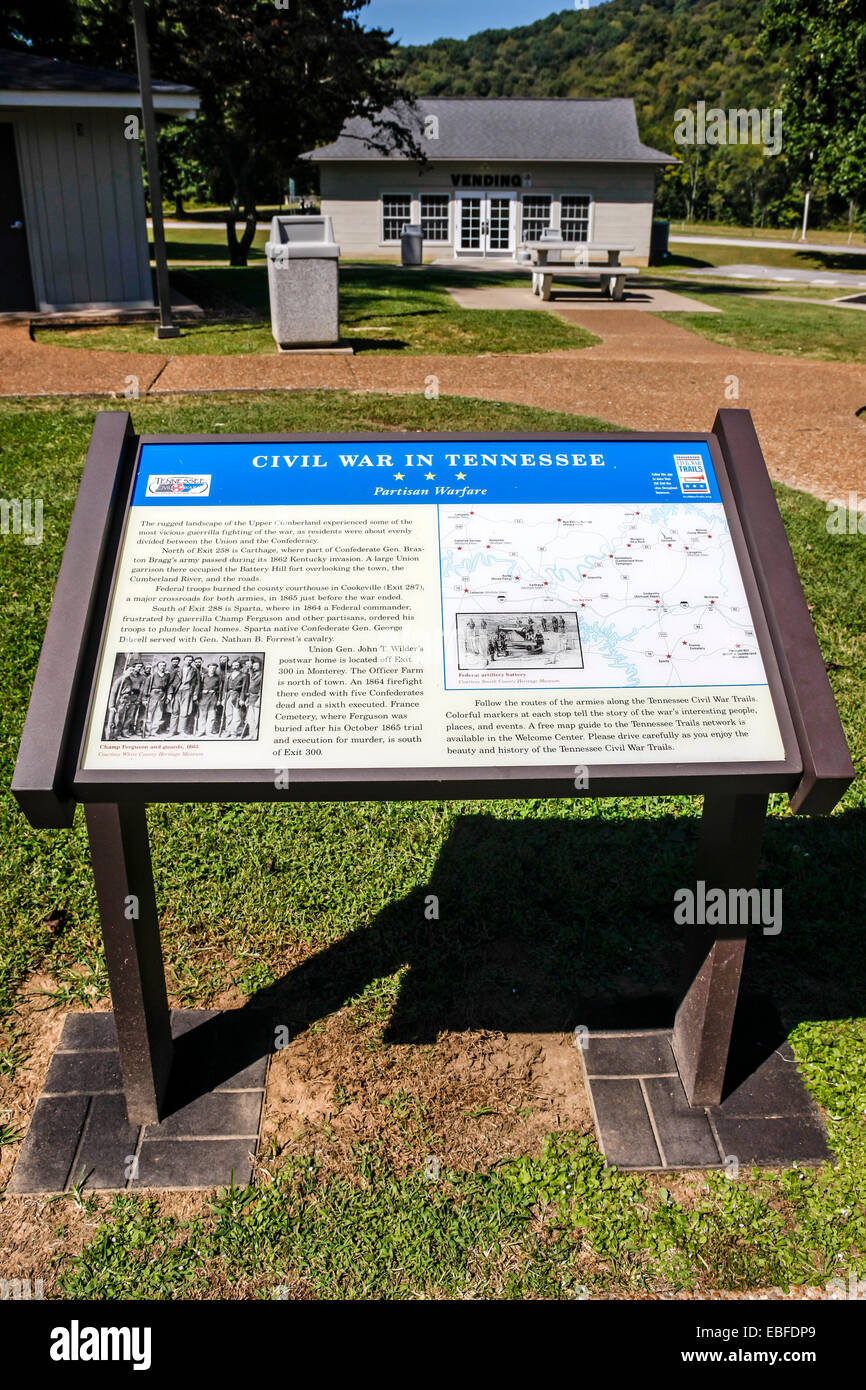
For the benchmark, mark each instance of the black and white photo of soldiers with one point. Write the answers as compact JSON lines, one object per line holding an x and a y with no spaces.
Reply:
{"x":163,"y":696}
{"x":518,"y":641}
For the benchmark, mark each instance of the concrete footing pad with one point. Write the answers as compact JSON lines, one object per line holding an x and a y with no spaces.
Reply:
{"x":644,"y":1121}
{"x":80,"y":1134}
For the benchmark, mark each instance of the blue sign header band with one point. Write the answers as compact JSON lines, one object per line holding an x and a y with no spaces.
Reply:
{"x":424,"y":472}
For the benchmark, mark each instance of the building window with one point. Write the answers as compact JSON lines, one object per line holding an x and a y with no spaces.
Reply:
{"x":396,"y":212}
{"x":574,"y":217}
{"x":535,"y":216}
{"x":434,"y":216}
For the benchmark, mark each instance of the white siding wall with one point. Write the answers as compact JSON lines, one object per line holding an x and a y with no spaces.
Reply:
{"x":622,"y":198}
{"x":84,"y":208}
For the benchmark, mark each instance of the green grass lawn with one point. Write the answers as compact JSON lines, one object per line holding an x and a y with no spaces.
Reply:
{"x":797,"y":258}
{"x":764,"y":324}
{"x":723,"y":229}
{"x":204,"y":244}
{"x":382,"y":309}
{"x":386,"y":309}
{"x":316,"y":910}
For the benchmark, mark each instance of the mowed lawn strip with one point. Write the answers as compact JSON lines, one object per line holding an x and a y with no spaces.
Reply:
{"x":759,"y":324}
{"x":544,"y":905}
{"x":383,"y":309}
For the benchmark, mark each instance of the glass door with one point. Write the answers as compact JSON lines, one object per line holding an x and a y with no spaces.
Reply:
{"x":500,"y":219}
{"x":486,"y":225}
{"x":469,"y":224}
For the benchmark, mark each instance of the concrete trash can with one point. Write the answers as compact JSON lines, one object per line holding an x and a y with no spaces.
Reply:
{"x":553,"y":239}
{"x":303,"y":282}
{"x":411,"y":244}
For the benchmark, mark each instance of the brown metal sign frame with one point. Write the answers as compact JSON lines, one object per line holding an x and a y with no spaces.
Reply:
{"x":49,"y":779}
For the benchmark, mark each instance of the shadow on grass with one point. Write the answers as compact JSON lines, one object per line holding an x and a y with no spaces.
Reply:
{"x":547,"y":924}
{"x":371,"y":344}
{"x":829,"y":260}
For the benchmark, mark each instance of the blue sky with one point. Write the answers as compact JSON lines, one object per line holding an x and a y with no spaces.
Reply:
{"x":420,"y":21}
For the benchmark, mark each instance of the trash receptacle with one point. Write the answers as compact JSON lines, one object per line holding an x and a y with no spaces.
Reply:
{"x":659,"y":233}
{"x":303,"y":281}
{"x":411,"y":244}
{"x":554,"y":243}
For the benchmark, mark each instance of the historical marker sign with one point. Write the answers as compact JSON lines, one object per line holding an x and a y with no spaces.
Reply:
{"x":461,"y":606}
{"x":251,"y":618}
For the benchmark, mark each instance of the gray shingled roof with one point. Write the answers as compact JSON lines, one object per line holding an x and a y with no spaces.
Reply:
{"x":510,"y":129}
{"x":27,"y":72}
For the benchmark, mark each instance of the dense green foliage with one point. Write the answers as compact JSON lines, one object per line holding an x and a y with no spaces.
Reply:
{"x":667,"y":54}
{"x":824,"y":89}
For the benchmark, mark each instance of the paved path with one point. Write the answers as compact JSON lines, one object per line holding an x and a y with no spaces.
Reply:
{"x":793,"y":245}
{"x":774,"y":273}
{"x":646,"y":374}
{"x":637,"y":296}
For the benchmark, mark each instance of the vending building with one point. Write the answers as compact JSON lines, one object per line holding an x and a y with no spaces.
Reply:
{"x":498,"y":173}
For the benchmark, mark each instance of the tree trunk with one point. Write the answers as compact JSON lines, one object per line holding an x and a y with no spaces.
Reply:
{"x":693,"y":185}
{"x":178,"y":206}
{"x":239,"y":246}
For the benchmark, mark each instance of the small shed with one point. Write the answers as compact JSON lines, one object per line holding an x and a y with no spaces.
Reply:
{"x":73,"y":230}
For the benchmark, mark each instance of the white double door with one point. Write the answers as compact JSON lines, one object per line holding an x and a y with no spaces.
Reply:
{"x":486,"y":223}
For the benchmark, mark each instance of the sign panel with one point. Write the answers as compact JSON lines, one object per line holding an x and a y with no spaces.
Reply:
{"x":433,"y":603}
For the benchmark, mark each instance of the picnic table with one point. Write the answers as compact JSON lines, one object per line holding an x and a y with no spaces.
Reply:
{"x":583,"y":250}
{"x":612,"y":276}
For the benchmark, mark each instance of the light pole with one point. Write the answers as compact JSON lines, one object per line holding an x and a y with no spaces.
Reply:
{"x":165,"y":328}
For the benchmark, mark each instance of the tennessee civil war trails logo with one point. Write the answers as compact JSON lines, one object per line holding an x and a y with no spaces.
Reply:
{"x":178,"y":485}
{"x":692,"y":474}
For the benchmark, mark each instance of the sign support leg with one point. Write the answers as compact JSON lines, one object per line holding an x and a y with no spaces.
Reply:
{"x":130,"y":928}
{"x":729,"y":850}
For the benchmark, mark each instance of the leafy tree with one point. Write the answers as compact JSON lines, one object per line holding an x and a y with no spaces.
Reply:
{"x":40,"y":28}
{"x":824,"y":90}
{"x":182,"y":174}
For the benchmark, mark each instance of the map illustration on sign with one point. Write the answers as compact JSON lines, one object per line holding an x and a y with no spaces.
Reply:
{"x":655,"y":590}
{"x":428,"y":602}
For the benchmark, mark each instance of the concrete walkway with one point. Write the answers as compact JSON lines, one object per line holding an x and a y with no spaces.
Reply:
{"x":636,"y":296}
{"x":646,"y":374}
{"x":795,"y":244}
{"x":779,"y":276}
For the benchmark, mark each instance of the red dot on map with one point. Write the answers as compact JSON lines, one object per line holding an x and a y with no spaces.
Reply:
{"x":686,"y":547}
{"x":610,"y":556}
{"x":545,"y":581}
{"x":685,"y":644}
